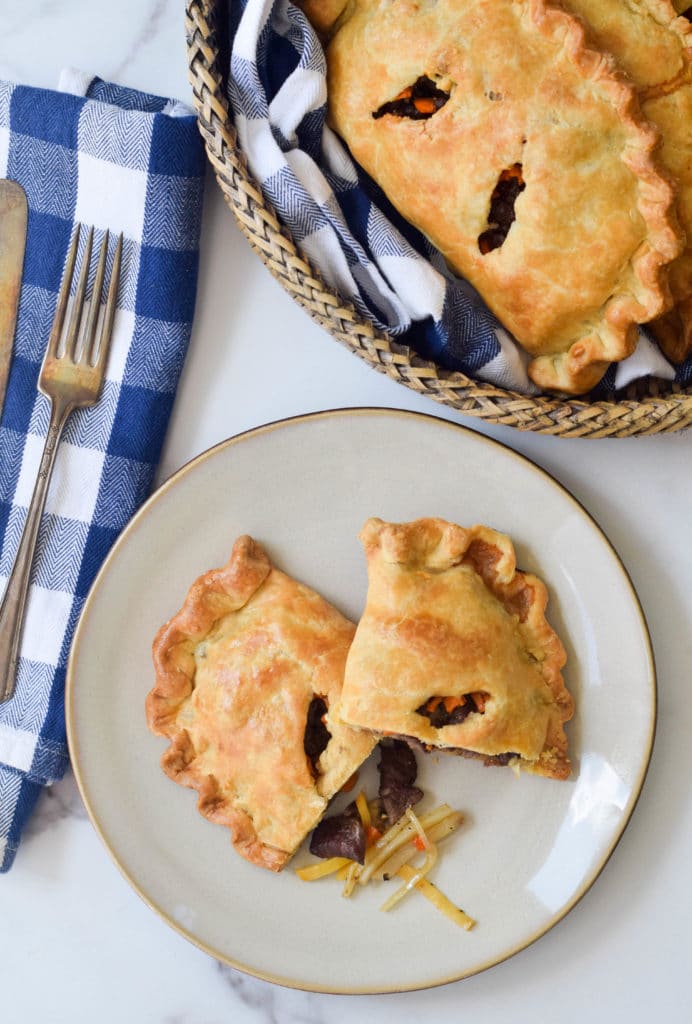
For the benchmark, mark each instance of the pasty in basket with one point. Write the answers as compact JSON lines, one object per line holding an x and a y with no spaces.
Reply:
{"x":654,"y":47}
{"x":453,"y":649}
{"x":248,"y":676}
{"x":522,"y":155}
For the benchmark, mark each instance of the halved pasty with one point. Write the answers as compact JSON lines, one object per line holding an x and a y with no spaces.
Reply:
{"x":524,"y":157}
{"x":248,"y":676}
{"x":453,"y":649}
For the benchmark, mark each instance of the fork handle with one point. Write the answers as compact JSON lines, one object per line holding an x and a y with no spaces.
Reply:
{"x":14,"y":598}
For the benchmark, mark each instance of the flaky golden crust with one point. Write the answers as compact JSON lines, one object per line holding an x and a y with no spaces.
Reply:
{"x":654,"y":47}
{"x":449,"y":615}
{"x":584,"y":261}
{"x":236,"y":671}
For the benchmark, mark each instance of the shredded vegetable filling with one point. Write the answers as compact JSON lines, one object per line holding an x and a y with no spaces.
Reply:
{"x":393,"y":853}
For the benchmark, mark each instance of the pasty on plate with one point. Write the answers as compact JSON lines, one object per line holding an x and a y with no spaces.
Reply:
{"x":453,"y":649}
{"x":524,"y":157}
{"x":654,"y":47}
{"x":248,"y":676}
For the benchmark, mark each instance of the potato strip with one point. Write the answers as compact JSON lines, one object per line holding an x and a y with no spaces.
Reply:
{"x":351,"y":879}
{"x":325,"y":867}
{"x":436,"y":834}
{"x":396,"y":837}
{"x":419,"y":872}
{"x":437,"y":898}
{"x":363,"y":809}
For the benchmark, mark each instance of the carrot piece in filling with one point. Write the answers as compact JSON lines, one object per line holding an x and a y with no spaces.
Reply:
{"x":424,"y":105}
{"x":479,"y":698}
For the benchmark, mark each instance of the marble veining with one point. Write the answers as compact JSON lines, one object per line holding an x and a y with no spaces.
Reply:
{"x":154,"y":16}
{"x":135,"y":42}
{"x":57,"y":803}
{"x":272,"y":1004}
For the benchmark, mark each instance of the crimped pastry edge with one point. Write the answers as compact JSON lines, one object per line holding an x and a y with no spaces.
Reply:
{"x":215,"y":593}
{"x":673,"y":330}
{"x":581,"y":367}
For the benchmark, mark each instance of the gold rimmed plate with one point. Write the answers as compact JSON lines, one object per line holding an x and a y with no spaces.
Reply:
{"x":530,"y":847}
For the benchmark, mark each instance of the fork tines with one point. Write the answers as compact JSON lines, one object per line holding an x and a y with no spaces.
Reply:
{"x":93,"y":350}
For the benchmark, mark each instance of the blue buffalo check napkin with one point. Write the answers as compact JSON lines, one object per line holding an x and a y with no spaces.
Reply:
{"x":97,"y":154}
{"x":345,"y":225}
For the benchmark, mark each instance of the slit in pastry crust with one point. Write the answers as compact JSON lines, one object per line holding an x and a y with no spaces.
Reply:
{"x":418,"y":102}
{"x":501,"y":215}
{"x":242,"y":670}
{"x":449,"y":615}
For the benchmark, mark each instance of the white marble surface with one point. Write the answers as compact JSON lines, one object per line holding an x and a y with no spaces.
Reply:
{"x":76,"y":944}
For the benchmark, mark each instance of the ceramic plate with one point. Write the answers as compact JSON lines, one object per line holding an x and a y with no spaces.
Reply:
{"x":530,"y":847}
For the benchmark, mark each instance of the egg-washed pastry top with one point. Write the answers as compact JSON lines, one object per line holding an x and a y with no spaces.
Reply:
{"x":248,"y":676}
{"x":654,"y":47}
{"x":453,"y":648}
{"x":522,"y":155}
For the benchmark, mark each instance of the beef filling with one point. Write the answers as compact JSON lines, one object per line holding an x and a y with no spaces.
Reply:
{"x":442,"y":711}
{"x":317,"y":735}
{"x":398,"y":770}
{"x":417,"y":101}
{"x":342,"y":835}
{"x":509,"y":186}
{"x":487,"y":759}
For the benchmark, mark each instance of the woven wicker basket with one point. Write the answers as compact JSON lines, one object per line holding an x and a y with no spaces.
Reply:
{"x":648,"y":407}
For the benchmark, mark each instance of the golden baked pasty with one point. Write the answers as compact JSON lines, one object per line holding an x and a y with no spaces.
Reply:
{"x":453,"y":649}
{"x":248,"y":676}
{"x":654,"y":47}
{"x":524,"y":157}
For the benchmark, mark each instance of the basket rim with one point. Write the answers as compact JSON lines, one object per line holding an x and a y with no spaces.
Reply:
{"x":665,"y":407}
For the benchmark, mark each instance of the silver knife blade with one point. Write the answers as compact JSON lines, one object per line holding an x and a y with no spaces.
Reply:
{"x":13,"y":223}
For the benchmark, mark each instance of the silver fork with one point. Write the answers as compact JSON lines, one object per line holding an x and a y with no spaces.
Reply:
{"x":71,"y":377}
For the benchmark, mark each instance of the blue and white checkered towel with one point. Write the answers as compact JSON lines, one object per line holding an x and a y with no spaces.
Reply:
{"x":97,"y":154}
{"x":343,"y":222}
